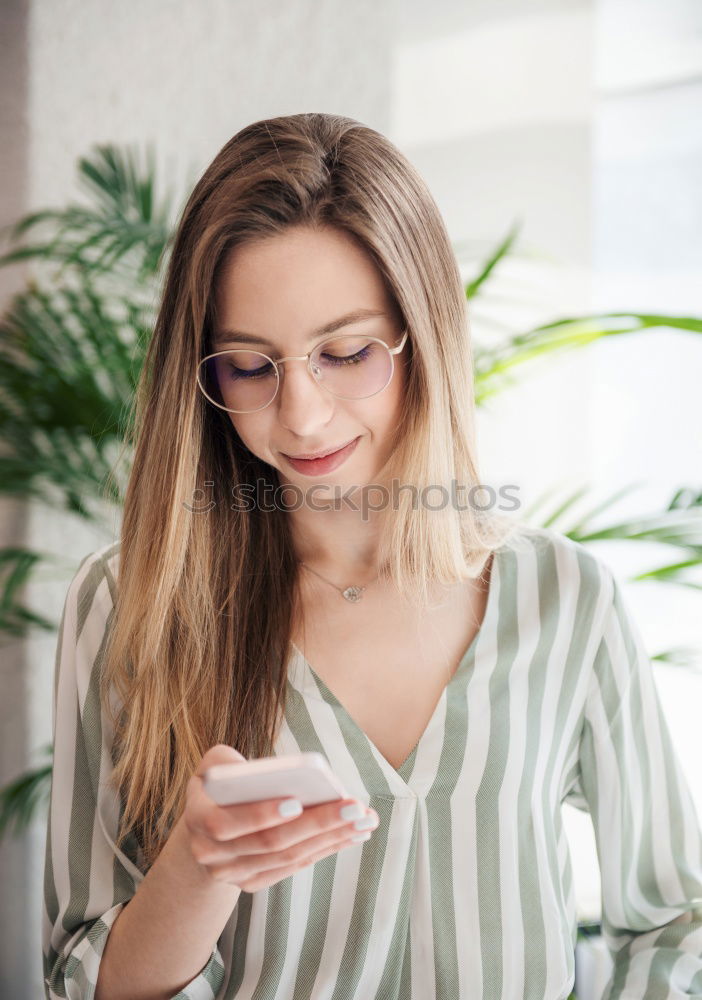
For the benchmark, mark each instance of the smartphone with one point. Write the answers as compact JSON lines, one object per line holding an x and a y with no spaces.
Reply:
{"x":304,"y":776}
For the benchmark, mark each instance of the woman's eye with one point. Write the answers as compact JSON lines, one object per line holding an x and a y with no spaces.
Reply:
{"x":246,"y":373}
{"x":347,"y":359}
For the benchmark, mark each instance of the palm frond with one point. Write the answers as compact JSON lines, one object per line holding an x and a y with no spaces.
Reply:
{"x":549,"y":520}
{"x":22,"y":798}
{"x":123,"y":219}
{"x":17,"y":564}
{"x":493,"y":365}
{"x":680,"y":656}
{"x":501,"y":251}
{"x":669,"y":527}
{"x":679,"y":524}
{"x":68,"y":371}
{"x":566,"y":506}
{"x":673,"y":573}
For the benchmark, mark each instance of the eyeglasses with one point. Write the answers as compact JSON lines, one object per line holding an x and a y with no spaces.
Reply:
{"x":350,"y":366}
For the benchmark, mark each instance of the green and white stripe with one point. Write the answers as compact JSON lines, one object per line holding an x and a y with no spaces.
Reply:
{"x":465,"y":890}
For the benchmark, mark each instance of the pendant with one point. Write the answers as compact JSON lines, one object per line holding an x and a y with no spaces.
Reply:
{"x":353,"y":594}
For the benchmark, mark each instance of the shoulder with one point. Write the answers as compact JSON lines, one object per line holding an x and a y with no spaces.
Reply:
{"x":562,"y":567}
{"x":94,"y":583}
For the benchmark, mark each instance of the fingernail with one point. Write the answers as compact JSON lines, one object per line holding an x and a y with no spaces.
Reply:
{"x":366,"y":823}
{"x":352,"y":811}
{"x":291,"y":807}
{"x":360,"y":836}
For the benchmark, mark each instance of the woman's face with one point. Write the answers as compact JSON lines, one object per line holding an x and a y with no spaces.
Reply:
{"x":280,"y":291}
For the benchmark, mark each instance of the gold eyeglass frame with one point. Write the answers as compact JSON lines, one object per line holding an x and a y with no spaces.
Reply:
{"x":392,"y":351}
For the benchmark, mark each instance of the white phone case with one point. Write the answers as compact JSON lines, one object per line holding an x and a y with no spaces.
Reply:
{"x":305,"y":776}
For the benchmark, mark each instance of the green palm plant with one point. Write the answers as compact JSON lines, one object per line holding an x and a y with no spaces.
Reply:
{"x":72,"y":346}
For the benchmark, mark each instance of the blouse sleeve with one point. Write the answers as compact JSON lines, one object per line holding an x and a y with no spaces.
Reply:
{"x":87,"y":878}
{"x":646,"y":827}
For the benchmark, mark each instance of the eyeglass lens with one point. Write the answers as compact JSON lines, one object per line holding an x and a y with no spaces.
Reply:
{"x":351,"y":366}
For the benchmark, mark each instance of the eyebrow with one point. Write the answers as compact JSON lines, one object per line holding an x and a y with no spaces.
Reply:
{"x":238,"y":336}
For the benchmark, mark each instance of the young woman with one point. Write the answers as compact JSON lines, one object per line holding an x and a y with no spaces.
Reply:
{"x":463,"y":674}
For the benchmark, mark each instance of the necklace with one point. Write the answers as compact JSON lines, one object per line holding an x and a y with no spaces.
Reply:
{"x":352,"y":593}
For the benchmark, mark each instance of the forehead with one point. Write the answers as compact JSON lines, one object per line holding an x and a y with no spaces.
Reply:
{"x":298,"y":280}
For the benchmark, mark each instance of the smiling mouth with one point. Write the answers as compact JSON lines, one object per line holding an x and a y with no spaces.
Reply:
{"x":321,"y":454}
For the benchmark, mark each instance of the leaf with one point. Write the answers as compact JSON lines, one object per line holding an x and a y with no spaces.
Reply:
{"x":69,"y":365}
{"x":679,"y":524}
{"x":123,"y":220}
{"x":493,"y":260}
{"x":21,"y":799}
{"x":492,"y":365}
{"x":680,"y":656}
{"x":16,"y":566}
{"x":673,"y":573}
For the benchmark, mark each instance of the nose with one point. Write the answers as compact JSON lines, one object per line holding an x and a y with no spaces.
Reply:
{"x":303,"y":405}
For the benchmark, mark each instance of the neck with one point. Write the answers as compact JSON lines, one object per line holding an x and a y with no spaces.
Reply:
{"x":337,"y":544}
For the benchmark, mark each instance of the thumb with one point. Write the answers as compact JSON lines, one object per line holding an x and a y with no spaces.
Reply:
{"x":221,"y":753}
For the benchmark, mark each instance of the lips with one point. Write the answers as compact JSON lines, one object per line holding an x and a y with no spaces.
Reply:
{"x":324,"y":465}
{"x":319,"y":454}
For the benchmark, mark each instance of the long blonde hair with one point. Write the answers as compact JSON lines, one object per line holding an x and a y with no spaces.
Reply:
{"x":198,"y":647}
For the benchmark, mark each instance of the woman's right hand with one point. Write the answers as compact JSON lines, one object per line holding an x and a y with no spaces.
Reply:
{"x":250,"y":845}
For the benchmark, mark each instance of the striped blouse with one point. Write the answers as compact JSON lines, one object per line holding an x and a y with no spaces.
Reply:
{"x":465,"y":889}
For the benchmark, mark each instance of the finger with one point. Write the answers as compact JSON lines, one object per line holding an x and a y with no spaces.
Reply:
{"x":248,"y":876}
{"x":221,"y":753}
{"x":199,"y":803}
{"x":257,"y":827}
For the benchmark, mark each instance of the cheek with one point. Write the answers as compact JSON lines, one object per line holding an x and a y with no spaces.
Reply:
{"x":250,"y":432}
{"x":387,"y":406}
{"x":383,"y":422}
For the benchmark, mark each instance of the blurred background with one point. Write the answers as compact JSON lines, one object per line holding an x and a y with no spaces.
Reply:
{"x":562,"y":142}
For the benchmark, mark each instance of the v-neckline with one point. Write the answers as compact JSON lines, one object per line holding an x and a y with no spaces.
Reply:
{"x":316,"y":687}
